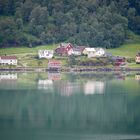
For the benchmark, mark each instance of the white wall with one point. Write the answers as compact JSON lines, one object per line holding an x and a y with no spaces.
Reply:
{"x":8,"y":61}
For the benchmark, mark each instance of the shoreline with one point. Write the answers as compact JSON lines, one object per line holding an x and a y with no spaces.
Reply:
{"x":69,"y":69}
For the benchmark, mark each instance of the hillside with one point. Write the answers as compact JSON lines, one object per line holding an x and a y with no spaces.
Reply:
{"x":127,"y":50}
{"x":95,"y":23}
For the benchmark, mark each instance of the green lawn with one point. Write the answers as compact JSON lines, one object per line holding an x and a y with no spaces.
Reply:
{"x":28,"y":56}
{"x":26,"y":50}
{"x":127,"y":50}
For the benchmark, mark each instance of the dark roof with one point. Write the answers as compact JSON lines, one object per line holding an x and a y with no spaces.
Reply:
{"x":79,"y":48}
{"x":8,"y":57}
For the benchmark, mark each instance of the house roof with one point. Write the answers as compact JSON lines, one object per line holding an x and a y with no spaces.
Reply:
{"x":79,"y":48}
{"x":54,"y":62}
{"x":64,"y":44}
{"x":99,"y":49}
{"x":90,"y":49}
{"x":8,"y":57}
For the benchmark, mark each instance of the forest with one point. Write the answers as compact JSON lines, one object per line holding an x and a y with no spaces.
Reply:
{"x":95,"y":23}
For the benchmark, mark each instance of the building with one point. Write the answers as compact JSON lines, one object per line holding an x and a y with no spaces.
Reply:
{"x":89,"y":51}
{"x":94,"y":52}
{"x":118,"y":61}
{"x":64,"y":49}
{"x":137,"y":59}
{"x":8,"y":60}
{"x":45,"y":54}
{"x":54,"y":65}
{"x":78,"y":50}
{"x":100,"y":52}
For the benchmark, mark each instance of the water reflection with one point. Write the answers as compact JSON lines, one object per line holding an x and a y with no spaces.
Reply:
{"x":94,"y":87}
{"x":137,"y":77}
{"x":8,"y":80}
{"x":78,"y":104}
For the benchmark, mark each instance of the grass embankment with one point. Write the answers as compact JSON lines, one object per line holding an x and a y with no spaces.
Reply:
{"x":128,"y":51}
{"x":27,"y":57}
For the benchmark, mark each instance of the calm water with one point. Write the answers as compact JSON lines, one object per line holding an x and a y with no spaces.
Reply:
{"x":54,"y":106}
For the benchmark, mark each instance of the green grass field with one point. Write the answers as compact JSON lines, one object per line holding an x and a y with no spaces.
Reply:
{"x":27,"y":57}
{"x":127,"y":50}
{"x":25,"y":50}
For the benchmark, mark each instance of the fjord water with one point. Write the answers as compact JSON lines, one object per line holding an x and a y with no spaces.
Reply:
{"x":54,"y":106}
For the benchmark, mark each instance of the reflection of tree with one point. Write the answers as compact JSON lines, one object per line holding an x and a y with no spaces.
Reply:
{"x":112,"y":112}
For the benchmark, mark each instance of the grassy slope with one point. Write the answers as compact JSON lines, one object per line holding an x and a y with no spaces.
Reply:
{"x":27,"y":56}
{"x":127,"y":50}
{"x":21,"y":50}
{"x":130,"y":48}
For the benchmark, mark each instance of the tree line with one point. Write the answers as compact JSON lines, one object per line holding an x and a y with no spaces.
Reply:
{"x":96,"y":23}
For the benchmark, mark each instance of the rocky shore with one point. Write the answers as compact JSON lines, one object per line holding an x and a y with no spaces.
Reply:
{"x":69,"y":69}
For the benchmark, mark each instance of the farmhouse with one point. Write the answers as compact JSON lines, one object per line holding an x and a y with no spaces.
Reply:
{"x":118,"y":61}
{"x":45,"y":54}
{"x":64,"y":49}
{"x":137,"y":59}
{"x":8,"y":60}
{"x":78,"y":50}
{"x":94,"y":52}
{"x":100,"y":52}
{"x":54,"y":65}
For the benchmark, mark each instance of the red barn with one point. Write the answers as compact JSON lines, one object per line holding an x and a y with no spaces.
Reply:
{"x":54,"y":65}
{"x":64,"y":49}
{"x":118,"y":61}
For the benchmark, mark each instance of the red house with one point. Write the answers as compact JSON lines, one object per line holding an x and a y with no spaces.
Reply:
{"x":118,"y":61}
{"x":54,"y":65}
{"x":64,"y":49}
{"x":137,"y":59}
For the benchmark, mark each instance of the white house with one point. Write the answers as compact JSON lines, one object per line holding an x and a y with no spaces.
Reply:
{"x":8,"y":60}
{"x":45,"y":54}
{"x":100,"y":52}
{"x":94,"y":52}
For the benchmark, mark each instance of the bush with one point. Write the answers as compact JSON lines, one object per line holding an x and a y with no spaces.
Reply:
{"x":130,"y":60}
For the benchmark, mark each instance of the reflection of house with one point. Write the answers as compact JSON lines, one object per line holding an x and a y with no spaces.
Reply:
{"x":8,"y":76}
{"x":54,"y":76}
{"x":94,"y":52}
{"x":10,"y":60}
{"x":45,"y":54}
{"x":54,"y":64}
{"x":137,"y":77}
{"x":8,"y":81}
{"x":137,"y":59}
{"x":45,"y":84}
{"x":94,"y":87}
{"x":64,"y":49}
